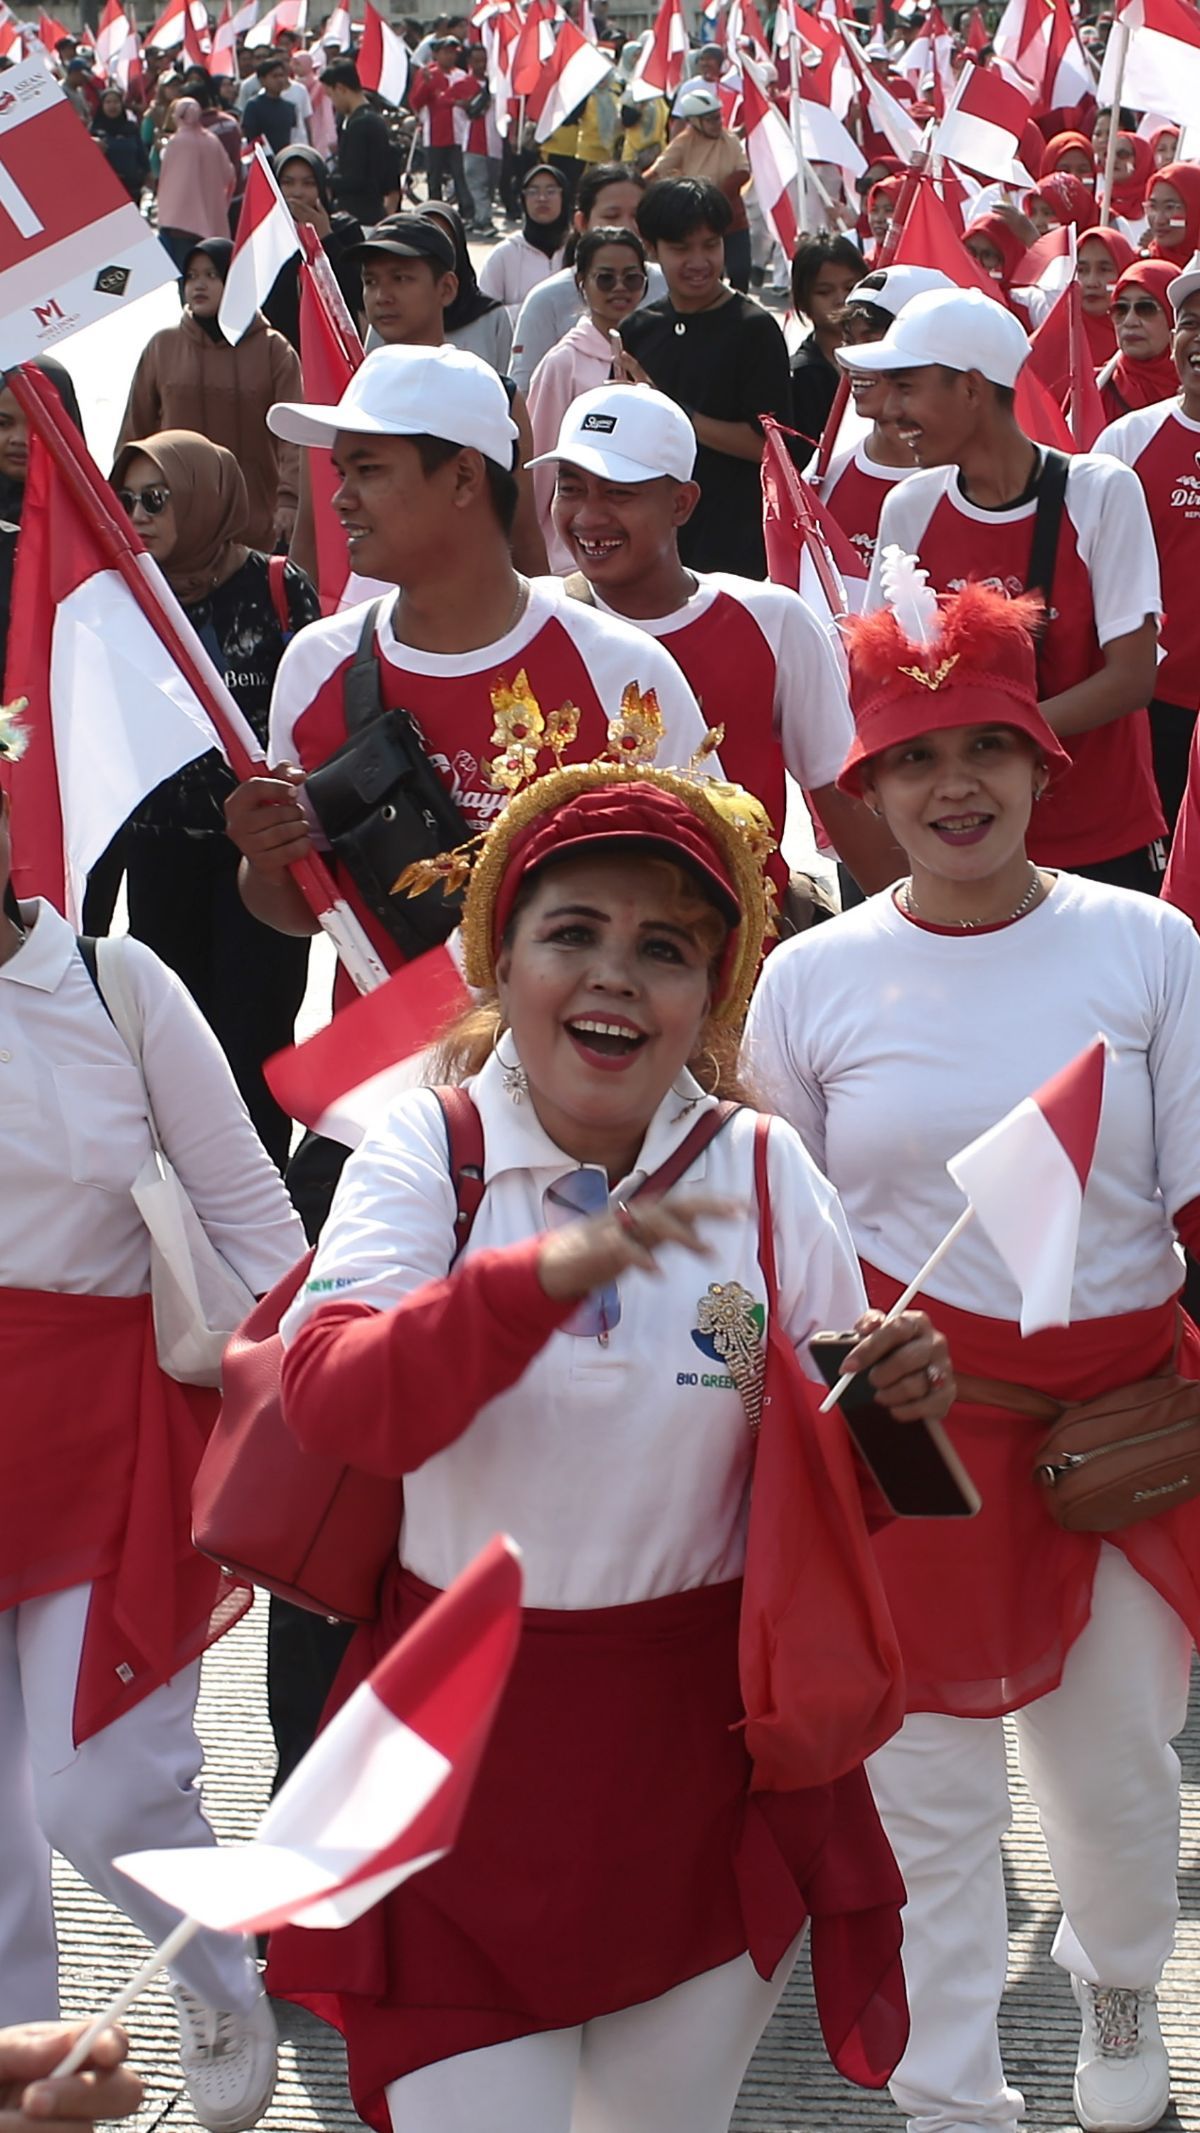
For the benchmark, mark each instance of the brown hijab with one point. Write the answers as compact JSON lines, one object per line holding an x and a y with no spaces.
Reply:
{"x":208,"y":496}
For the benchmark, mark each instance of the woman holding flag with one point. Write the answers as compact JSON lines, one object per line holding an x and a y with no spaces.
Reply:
{"x":609,"y":1937}
{"x":936,"y":1008}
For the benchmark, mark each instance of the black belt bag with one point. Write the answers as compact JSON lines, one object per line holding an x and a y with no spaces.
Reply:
{"x":381,"y":805}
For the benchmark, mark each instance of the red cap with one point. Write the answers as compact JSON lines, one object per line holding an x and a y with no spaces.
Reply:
{"x":981,"y":672}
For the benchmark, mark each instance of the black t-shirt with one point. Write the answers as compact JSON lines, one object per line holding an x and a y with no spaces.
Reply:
{"x":730,"y":363}
{"x":367,"y":168}
{"x":272,"y":117}
{"x":815,"y":381}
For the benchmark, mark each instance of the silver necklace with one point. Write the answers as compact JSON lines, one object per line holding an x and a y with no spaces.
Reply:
{"x":972,"y":925}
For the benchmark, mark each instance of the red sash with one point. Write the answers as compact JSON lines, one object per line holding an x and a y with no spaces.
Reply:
{"x":98,"y":1451}
{"x":988,"y":1608}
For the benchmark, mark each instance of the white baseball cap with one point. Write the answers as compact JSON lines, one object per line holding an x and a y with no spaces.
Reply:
{"x":961,"y":328}
{"x":411,"y":392}
{"x":890,"y":288}
{"x":696,"y":100}
{"x":625,"y":433}
{"x":1185,"y":284}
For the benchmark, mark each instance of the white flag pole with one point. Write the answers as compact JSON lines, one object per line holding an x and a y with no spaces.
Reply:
{"x":1120,"y":30}
{"x":172,"y":1946}
{"x":902,"y":1302}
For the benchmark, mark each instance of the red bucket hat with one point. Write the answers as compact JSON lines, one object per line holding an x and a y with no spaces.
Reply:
{"x":927,"y":661}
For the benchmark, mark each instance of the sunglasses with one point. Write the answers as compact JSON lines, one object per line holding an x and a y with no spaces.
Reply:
{"x":1141,"y":307}
{"x":152,"y":500}
{"x":610,"y":278}
{"x":573,"y":1198}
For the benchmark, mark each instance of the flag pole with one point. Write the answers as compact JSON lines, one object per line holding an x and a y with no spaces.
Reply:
{"x":325,"y":285}
{"x":45,"y":414}
{"x":172,"y":1946}
{"x":902,"y":1302}
{"x":1121,"y":30}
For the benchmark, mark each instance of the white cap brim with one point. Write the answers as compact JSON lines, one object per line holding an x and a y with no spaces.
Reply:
{"x":608,"y":465}
{"x":1183,"y":286}
{"x":298,"y":423}
{"x":876,"y":355}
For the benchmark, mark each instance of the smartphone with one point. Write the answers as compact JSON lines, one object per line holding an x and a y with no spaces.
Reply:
{"x":914,"y":1463}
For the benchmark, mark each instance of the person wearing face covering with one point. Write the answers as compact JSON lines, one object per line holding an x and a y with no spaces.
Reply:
{"x":1173,"y":213}
{"x":535,"y":250}
{"x":189,"y":378}
{"x":195,"y":183}
{"x":304,"y":182}
{"x":1143,"y":370}
{"x":186,"y":500}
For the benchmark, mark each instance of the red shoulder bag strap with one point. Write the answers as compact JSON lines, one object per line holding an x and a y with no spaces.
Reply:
{"x":464,"y":1142}
{"x":766,"y":1228}
{"x":706,"y":1129}
{"x":276,"y":565}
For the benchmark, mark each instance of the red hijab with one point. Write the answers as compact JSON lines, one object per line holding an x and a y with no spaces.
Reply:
{"x":1185,"y":179}
{"x":1132,"y":382}
{"x":1098,"y":328}
{"x":1129,"y":193}
{"x":1059,"y":146}
{"x":1070,"y":201}
{"x":1006,"y":241}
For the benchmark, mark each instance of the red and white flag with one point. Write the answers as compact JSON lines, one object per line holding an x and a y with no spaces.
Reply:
{"x":1060,"y":357}
{"x":1039,"y":39}
{"x":806,"y":548}
{"x":337,"y":31}
{"x":168,"y":30}
{"x":659,"y":71}
{"x":983,"y":125}
{"x":574,"y":70}
{"x":771,"y":153}
{"x":51,"y":33}
{"x":110,"y":714}
{"x":382,"y":58}
{"x":534,"y":47}
{"x":266,"y":240}
{"x":197,"y":44}
{"x":382,"y":1791}
{"x":1162,"y":65}
{"x":1025,"y":1179}
{"x":223,"y":57}
{"x":975,"y":37}
{"x":338,"y":1081}
{"x":285,"y":15}
{"x":887,"y":115}
{"x":116,"y":43}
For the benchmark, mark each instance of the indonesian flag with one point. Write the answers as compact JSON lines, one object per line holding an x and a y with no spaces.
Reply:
{"x":1061,"y":359}
{"x":168,"y":30}
{"x":223,"y":57}
{"x":51,"y":33}
{"x":382,"y":58}
{"x":1162,"y":65}
{"x":1069,"y":75}
{"x":1021,"y":37}
{"x":286,"y":15}
{"x":10,"y":36}
{"x":1025,"y":1179}
{"x":806,"y":548}
{"x":1039,"y":39}
{"x":771,"y":153}
{"x":929,"y":55}
{"x":744,"y":32}
{"x":983,"y":126}
{"x":337,"y":30}
{"x":659,"y":70}
{"x":329,"y":357}
{"x":535,"y":45}
{"x":887,"y":115}
{"x":382,"y":1791}
{"x":266,"y":240}
{"x":195,"y":44}
{"x":116,"y":43}
{"x":244,"y":18}
{"x":338,"y":1081}
{"x":574,"y":70}
{"x":110,"y":714}
{"x":976,"y":36}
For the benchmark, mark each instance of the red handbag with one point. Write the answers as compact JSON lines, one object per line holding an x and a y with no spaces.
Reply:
{"x":308,"y":1528}
{"x":821,"y":1671}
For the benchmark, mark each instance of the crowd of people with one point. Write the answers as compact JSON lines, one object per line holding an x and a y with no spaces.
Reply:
{"x":714,"y":1092}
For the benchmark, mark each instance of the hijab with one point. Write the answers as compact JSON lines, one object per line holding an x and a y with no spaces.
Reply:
{"x":109,"y":126}
{"x":549,"y":237}
{"x":1059,"y":145}
{"x":1185,"y":179}
{"x":219,"y":251}
{"x":316,"y":163}
{"x":470,"y":303}
{"x":211,"y":506}
{"x":1098,"y":329}
{"x":1070,"y":201}
{"x":1129,"y":193}
{"x":1140,"y":382}
{"x":1011,"y":248}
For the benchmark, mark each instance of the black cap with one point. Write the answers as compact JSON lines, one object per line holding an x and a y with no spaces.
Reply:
{"x":407,"y":237}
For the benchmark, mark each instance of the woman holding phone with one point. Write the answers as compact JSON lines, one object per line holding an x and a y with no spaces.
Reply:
{"x":891,"y":1040}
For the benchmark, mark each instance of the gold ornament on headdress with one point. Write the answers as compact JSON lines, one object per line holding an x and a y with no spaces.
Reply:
{"x":14,"y":738}
{"x":737,"y":822}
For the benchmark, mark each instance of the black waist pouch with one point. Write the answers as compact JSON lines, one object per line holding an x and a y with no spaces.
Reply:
{"x":382,"y":805}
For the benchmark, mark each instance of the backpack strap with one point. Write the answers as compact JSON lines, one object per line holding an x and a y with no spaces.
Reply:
{"x":1047,"y":523}
{"x":276,"y":567}
{"x":766,"y":1227}
{"x":85,"y":942}
{"x":464,"y":1145}
{"x":577,"y":587}
{"x":362,"y":697}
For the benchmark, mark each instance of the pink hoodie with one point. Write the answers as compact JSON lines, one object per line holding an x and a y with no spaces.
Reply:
{"x":196,"y":180}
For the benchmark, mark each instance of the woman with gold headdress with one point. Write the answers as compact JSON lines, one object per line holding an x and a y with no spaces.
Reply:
{"x":607,"y":1941}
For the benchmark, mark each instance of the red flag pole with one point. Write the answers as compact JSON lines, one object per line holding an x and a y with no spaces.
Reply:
{"x":46,"y":416}
{"x":781,"y":482}
{"x":325,"y":286}
{"x":891,"y":245}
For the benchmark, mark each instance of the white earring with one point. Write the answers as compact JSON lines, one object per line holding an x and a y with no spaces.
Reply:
{"x":514,"y":1077}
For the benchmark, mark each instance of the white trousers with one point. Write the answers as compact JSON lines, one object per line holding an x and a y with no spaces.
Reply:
{"x":671,"y":2065}
{"x":131,"y":1787}
{"x":1096,"y":1756}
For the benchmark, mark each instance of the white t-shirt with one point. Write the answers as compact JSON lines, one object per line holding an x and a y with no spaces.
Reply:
{"x":73,"y":1130}
{"x":1162,"y":445}
{"x":297,"y":95}
{"x":622,"y":1469}
{"x":891,"y":1047}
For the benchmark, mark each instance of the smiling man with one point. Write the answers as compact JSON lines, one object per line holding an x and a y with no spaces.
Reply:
{"x":755,"y":654}
{"x":990,"y":504}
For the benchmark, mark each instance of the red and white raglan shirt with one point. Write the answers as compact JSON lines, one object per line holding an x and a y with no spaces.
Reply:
{"x":1162,"y":446}
{"x":762,"y":667}
{"x":568,"y":654}
{"x":855,"y":491}
{"x":1106,"y":583}
{"x":440,"y":98}
{"x":890,"y":1045}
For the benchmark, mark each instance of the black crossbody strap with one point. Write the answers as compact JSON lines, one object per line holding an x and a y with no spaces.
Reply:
{"x":362,"y":697}
{"x":1047,"y":524}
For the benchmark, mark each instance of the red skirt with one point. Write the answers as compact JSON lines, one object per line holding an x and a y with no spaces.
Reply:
{"x":611,"y":1850}
{"x":988,"y":1608}
{"x":98,"y":1453}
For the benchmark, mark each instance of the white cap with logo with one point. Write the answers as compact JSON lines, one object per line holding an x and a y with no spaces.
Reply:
{"x":1185,"y":284}
{"x":960,"y":328}
{"x":411,"y":392}
{"x":625,"y":433}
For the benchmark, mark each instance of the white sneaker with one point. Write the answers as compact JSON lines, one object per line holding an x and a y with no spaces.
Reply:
{"x":1122,"y":2074}
{"x":229,"y":2060}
